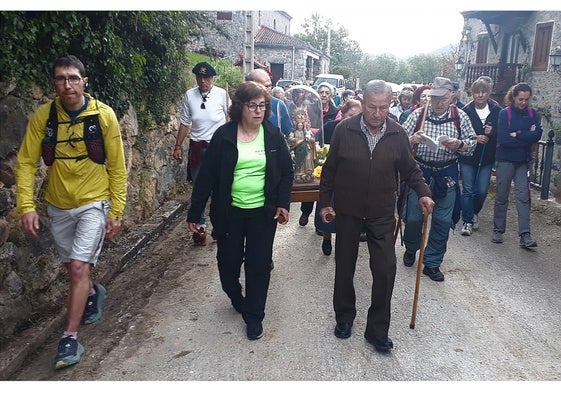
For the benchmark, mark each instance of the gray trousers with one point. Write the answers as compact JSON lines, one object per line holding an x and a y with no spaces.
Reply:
{"x":505,"y":173}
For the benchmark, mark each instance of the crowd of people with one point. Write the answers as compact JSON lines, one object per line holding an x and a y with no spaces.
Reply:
{"x":241,"y":157}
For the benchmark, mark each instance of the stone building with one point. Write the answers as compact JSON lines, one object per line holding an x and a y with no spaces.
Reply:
{"x":513,"y":47}
{"x":273,"y":45}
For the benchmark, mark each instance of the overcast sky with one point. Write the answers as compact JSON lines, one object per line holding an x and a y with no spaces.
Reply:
{"x":399,"y":27}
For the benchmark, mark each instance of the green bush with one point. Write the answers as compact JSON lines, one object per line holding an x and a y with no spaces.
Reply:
{"x":131,"y":57}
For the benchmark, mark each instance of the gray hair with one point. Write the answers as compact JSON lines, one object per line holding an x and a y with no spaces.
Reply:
{"x":377,"y":86}
{"x":329,"y":86}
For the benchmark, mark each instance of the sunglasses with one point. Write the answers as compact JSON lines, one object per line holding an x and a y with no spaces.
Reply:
{"x":203,"y":103}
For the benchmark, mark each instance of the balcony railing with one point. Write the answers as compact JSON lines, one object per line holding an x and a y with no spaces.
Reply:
{"x":504,"y":75}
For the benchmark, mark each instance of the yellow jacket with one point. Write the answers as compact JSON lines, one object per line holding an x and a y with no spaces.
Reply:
{"x":73,"y":183}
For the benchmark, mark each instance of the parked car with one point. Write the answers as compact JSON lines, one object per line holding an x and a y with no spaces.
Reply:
{"x":287,"y":83}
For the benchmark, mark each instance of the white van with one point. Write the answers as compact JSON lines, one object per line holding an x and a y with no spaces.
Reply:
{"x":335,"y":80}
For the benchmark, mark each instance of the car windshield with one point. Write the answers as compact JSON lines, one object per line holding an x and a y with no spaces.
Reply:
{"x":331,"y":81}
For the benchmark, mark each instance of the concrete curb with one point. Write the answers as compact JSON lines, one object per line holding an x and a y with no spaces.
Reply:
{"x":20,"y":347}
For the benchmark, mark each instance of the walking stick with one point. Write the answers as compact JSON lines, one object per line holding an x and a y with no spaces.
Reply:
{"x":419,"y":265}
{"x":406,"y":189}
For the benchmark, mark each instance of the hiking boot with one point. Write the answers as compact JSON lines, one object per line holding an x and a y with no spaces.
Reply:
{"x":475,"y":222}
{"x":527,"y":241}
{"x":303,"y":221}
{"x":409,"y":258}
{"x":92,"y":312}
{"x":68,"y":352}
{"x":467,"y":229}
{"x":434,"y":273}
{"x":199,"y":238}
{"x":497,"y":237}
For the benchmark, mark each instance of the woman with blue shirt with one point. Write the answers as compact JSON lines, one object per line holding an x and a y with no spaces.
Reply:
{"x":518,"y":129}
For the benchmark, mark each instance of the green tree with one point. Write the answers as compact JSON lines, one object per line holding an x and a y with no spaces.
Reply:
{"x":131,"y":57}
{"x":345,"y":53}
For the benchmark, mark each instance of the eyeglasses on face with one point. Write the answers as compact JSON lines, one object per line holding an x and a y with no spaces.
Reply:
{"x":72,"y":79}
{"x":253,"y":106}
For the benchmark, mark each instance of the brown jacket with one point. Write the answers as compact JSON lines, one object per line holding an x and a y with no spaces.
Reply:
{"x":366,"y":185}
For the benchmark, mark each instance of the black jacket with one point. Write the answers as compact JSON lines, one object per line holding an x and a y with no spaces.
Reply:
{"x":217,"y":174}
{"x":490,"y":147}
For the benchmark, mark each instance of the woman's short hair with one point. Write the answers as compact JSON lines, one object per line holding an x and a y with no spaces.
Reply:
{"x":246,"y":92}
{"x":480,"y":85}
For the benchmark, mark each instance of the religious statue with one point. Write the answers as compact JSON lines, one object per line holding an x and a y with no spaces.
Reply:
{"x":302,"y":144}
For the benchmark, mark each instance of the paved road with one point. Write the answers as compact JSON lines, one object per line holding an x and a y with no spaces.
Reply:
{"x":495,"y":318}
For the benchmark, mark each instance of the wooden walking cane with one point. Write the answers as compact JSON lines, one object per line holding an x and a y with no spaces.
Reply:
{"x":419,"y":267}
{"x":406,"y":188}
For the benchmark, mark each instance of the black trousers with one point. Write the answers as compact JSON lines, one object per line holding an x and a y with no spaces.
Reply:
{"x":307,"y":207}
{"x":249,"y":241}
{"x":379,"y":234}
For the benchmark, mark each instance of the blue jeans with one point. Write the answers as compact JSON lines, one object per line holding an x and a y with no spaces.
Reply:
{"x":440,"y":226}
{"x":474,"y":189}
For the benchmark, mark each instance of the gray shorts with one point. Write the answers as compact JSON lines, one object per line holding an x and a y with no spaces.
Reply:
{"x":78,"y":233}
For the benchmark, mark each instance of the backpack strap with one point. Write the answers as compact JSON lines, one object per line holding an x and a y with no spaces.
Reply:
{"x":509,"y":115}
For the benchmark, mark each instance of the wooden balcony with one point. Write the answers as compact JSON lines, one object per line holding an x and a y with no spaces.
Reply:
{"x":504,"y":76}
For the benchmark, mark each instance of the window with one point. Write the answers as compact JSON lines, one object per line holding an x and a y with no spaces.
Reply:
{"x":482,"y":49}
{"x":224,"y":15}
{"x":542,"y":46}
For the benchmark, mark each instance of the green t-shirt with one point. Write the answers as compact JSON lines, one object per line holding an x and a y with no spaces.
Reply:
{"x":248,"y":188}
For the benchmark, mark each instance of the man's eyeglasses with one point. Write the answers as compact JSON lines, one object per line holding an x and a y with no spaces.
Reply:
{"x":204,"y":100}
{"x":72,"y":79}
{"x":253,"y":106}
{"x":268,"y":86}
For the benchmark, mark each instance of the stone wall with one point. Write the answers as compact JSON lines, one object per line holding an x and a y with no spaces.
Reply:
{"x":33,"y":283}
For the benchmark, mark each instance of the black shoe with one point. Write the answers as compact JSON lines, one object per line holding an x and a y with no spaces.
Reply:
{"x":319,"y":233}
{"x":362,"y":237}
{"x":272,"y":265}
{"x":303,"y":221}
{"x":254,"y":331}
{"x":434,"y":273}
{"x":326,"y":247}
{"x":343,"y":329}
{"x":384,"y":345}
{"x":409,"y":259}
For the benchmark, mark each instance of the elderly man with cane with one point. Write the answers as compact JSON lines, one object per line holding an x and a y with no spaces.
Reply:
{"x":364,"y":191}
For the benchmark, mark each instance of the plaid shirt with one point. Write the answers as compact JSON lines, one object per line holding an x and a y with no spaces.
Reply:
{"x":442,"y":154}
{"x":372,"y":138}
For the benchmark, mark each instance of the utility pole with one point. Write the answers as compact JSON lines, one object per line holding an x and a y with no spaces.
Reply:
{"x":249,"y":41}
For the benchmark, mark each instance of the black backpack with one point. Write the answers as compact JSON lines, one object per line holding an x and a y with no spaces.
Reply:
{"x":92,"y":137}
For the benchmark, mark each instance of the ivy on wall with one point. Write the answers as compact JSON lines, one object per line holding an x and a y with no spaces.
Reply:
{"x":131,"y":57}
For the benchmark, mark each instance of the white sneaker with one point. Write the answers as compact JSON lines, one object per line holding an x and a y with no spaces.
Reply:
{"x":475,"y":222}
{"x":467,"y":229}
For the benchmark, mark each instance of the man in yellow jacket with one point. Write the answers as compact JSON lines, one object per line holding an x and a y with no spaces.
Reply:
{"x":80,"y":140}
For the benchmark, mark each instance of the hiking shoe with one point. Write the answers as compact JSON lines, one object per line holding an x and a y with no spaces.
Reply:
{"x":467,"y":229}
{"x":199,"y":238}
{"x":68,"y":352}
{"x":527,"y":241}
{"x":254,"y":331}
{"x":303,"y":221}
{"x":434,"y":273}
{"x":475,"y":222}
{"x":409,"y":259}
{"x":92,"y":312}
{"x":497,"y":237}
